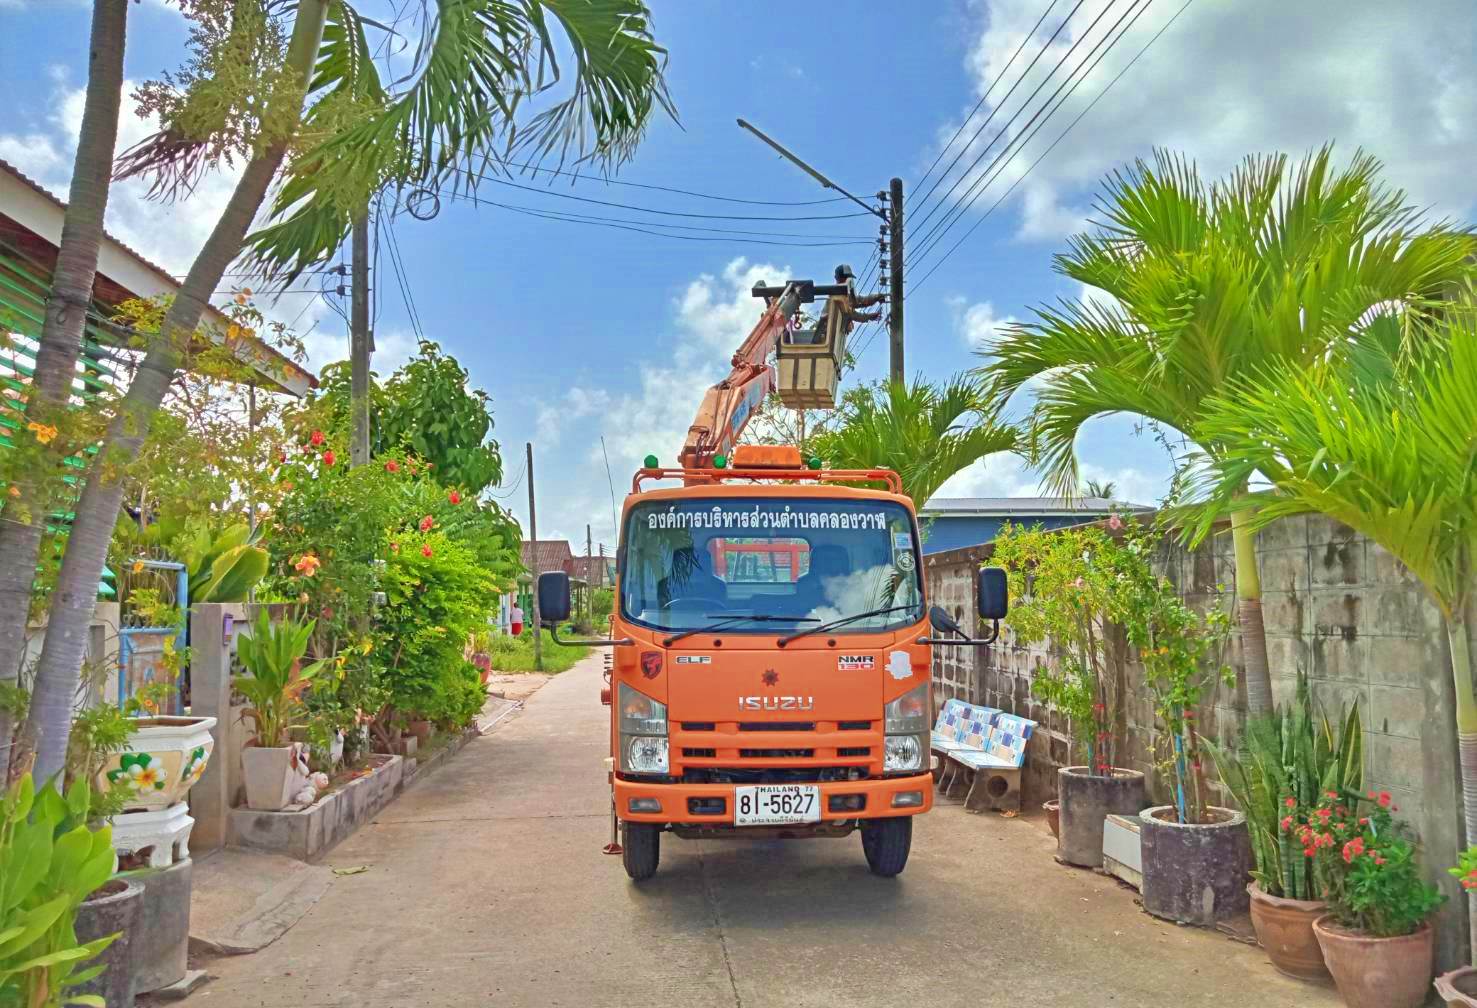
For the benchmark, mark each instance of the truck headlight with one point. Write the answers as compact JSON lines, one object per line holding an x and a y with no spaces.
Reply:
{"x":644,"y":753}
{"x":902,"y":752}
{"x":640,"y":714}
{"x":908,"y":714}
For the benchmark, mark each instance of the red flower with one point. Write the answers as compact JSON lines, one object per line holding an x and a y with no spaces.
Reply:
{"x":1286,"y":824}
{"x":1308,"y":852}
{"x":1332,"y":794}
{"x":316,"y":438}
{"x":426,"y":523}
{"x":1364,"y":820}
{"x":1353,"y":849}
{"x":1323,"y":814}
{"x":394,"y":547}
{"x":1384,"y":799}
{"x":1291,"y":803}
{"x":425,"y":551}
{"x":329,"y":457}
{"x":454,"y":497}
{"x":392,"y":466}
{"x":281,"y":456}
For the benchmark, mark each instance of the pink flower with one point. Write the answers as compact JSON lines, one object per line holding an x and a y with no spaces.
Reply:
{"x":1291,"y":802}
{"x":426,"y":523}
{"x":1115,"y":523}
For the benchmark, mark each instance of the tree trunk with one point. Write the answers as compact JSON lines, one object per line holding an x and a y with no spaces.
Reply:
{"x":1466,"y":736}
{"x":61,"y":334}
{"x":1258,"y":677}
{"x":57,"y":672}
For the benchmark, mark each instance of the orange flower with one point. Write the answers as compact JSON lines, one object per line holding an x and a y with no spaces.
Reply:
{"x":307,"y":565}
{"x":45,"y":433}
{"x":14,"y":491}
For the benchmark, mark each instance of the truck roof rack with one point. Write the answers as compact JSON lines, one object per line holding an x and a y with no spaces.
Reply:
{"x":770,"y":475}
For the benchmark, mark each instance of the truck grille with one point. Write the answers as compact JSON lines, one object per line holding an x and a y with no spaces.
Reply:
{"x":772,"y":775}
{"x":776,"y":753}
{"x":776,"y":726}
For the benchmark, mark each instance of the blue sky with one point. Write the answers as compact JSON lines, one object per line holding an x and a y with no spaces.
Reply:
{"x":578,"y":331}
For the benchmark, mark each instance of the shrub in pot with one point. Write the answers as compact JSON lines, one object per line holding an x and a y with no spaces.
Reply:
{"x":1285,"y":762}
{"x":1067,"y":586}
{"x":273,"y":655}
{"x":1459,"y":987}
{"x":1377,"y":939}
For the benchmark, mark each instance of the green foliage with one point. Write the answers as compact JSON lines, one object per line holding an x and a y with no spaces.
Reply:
{"x":1366,"y":865}
{"x":924,"y":432}
{"x":98,"y":733}
{"x":1297,"y":755}
{"x":437,"y":596}
{"x":224,"y":565}
{"x":272,"y":655}
{"x":49,"y":863}
{"x":515,"y":654}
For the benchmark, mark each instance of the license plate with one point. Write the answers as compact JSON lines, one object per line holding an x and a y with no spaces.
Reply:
{"x":776,"y":804}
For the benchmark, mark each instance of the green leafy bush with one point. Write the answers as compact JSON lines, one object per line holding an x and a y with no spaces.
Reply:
{"x":272,"y":655}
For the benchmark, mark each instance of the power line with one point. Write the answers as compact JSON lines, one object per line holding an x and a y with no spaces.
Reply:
{"x":1060,"y":137}
{"x":968,"y":173}
{"x":668,"y":213}
{"x":1019,"y":140}
{"x":551,"y":215}
{"x":983,"y":98}
{"x":995,"y":111}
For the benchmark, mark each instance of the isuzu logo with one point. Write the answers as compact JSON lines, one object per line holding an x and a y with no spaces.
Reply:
{"x":776,"y":703}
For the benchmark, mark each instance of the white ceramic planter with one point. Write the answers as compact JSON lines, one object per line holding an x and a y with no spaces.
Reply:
{"x":164,"y":758}
{"x":166,"y":833}
{"x":273,"y":776}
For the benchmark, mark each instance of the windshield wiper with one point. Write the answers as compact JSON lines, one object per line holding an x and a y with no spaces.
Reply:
{"x":842,"y":622}
{"x":725,"y":620}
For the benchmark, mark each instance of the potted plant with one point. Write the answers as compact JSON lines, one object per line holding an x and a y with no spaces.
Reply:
{"x":1068,"y":590}
{"x":1377,"y":939}
{"x":1459,"y":987}
{"x":1285,"y":762}
{"x":272,"y":655}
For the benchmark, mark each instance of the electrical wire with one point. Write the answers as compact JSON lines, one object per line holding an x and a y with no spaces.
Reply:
{"x":983,"y":98}
{"x":517,"y":481}
{"x":669,"y":213}
{"x":1060,"y":137}
{"x":552,"y":215}
{"x":969,"y":173}
{"x":1017,"y":143}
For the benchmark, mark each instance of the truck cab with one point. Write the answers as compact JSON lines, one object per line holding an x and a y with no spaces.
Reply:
{"x":771,"y":665}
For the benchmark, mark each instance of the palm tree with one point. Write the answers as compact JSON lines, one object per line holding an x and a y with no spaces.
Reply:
{"x":1105,"y":489}
{"x":61,"y":338}
{"x":319,"y":108}
{"x":924,"y":432}
{"x":1209,"y":283}
{"x":1388,"y":452}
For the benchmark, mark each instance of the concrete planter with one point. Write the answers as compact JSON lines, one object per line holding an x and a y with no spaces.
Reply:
{"x":1195,"y":873}
{"x":306,"y":833}
{"x":1086,"y":800}
{"x":1284,"y":928}
{"x":114,"y":909}
{"x":160,"y":941}
{"x":1378,"y":972}
{"x":273,"y":775}
{"x":164,"y":759}
{"x":1459,"y":987}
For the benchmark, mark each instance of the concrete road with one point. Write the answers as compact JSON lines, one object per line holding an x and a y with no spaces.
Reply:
{"x":487,"y":886}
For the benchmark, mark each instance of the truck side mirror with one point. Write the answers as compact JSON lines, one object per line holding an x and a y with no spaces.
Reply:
{"x":553,"y":597}
{"x":941,"y":621}
{"x":994,"y":598}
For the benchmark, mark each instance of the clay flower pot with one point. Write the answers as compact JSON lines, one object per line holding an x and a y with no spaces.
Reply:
{"x":1053,"y":816}
{"x":164,"y":759}
{"x":1459,"y":987}
{"x":1086,"y":799}
{"x":1378,"y":972}
{"x":1194,"y":873}
{"x":1284,"y":927}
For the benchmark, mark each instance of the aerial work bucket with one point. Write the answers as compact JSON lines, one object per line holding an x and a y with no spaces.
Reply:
{"x":808,"y":361}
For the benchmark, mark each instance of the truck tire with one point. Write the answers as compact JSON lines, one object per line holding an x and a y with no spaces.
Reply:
{"x":886,"y":843}
{"x":642,"y":849}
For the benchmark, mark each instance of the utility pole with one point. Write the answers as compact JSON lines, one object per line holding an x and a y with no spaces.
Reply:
{"x":361,"y":343}
{"x":589,"y":552}
{"x":538,"y":632}
{"x":895,"y":294}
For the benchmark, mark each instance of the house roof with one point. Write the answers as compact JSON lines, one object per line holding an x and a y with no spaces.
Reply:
{"x":547,"y":555}
{"x":36,"y":217}
{"x":1008,"y":507}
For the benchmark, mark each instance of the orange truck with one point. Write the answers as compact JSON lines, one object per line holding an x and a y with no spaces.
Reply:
{"x":771,"y":641}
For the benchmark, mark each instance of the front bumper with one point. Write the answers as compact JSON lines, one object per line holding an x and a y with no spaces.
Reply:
{"x":877,"y":798}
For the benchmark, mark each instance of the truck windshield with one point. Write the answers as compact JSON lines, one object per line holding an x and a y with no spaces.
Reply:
{"x":687,"y":562}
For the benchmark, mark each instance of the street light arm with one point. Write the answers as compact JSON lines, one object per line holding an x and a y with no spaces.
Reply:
{"x":827,"y":183}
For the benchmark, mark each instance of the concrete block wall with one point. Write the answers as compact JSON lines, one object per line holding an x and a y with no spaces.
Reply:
{"x":1336,"y":606}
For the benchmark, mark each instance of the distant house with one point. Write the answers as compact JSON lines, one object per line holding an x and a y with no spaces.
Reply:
{"x":543,"y":555}
{"x":951,"y":522}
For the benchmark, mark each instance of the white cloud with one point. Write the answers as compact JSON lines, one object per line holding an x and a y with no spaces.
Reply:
{"x":979,"y":325}
{"x":1227,"y":80}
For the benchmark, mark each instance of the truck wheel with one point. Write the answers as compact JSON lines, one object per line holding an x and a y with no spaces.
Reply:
{"x":642,"y":843}
{"x":886,"y":843}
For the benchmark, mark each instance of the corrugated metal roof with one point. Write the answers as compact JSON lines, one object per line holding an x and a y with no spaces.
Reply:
{"x":547,"y":555}
{"x":960,"y":506}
